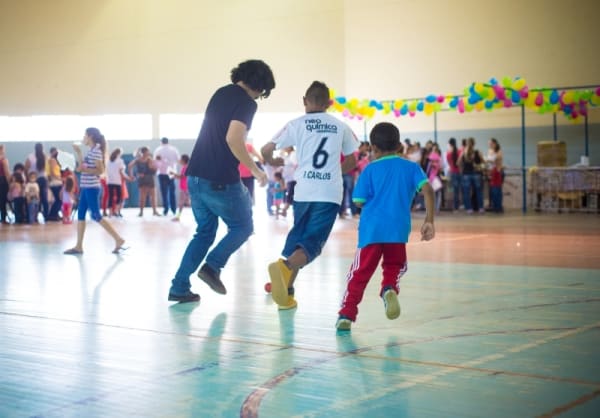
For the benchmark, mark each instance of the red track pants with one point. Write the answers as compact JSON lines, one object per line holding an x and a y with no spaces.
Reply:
{"x":363,"y":267}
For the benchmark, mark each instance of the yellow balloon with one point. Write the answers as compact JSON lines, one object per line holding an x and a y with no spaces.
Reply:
{"x":569,"y":97}
{"x":519,"y":84}
{"x":398,"y":104}
{"x":479,"y":105}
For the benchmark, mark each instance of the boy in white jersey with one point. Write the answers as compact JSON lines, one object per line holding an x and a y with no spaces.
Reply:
{"x":319,"y":139}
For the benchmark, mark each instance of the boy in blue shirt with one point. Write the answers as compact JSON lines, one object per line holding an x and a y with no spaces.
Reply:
{"x":385,"y":190}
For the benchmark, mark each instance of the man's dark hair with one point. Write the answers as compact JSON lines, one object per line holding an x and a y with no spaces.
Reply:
{"x":385,"y":136}
{"x":164,"y":140}
{"x":318,"y":94}
{"x":255,"y":74}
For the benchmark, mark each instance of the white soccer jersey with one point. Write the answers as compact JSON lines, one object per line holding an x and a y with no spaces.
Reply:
{"x":320,"y":140}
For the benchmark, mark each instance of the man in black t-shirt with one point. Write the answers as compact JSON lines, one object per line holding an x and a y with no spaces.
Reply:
{"x":214,"y":180}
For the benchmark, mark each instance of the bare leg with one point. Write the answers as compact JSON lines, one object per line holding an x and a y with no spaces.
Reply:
{"x":153,"y":201}
{"x":143,"y":195}
{"x":80,"y":234}
{"x":295,"y":262}
{"x":119,"y":241}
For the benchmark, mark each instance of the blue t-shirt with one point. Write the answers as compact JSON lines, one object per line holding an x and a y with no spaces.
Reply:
{"x":211,"y":157}
{"x":386,"y":189}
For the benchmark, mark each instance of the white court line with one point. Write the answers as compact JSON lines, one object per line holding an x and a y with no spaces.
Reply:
{"x":420,"y":380}
{"x":448,"y":239}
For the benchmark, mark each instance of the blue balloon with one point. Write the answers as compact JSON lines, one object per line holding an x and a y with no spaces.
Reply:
{"x":420,"y":106}
{"x":404,"y":109}
{"x":474,"y":98}
{"x":341,"y":100}
{"x":515,"y":96}
{"x":431,"y":98}
{"x":493,"y":81}
{"x":554,"y":97}
{"x":489,"y":104}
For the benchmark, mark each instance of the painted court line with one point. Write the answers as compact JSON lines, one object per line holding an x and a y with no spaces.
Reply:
{"x":252,"y":402}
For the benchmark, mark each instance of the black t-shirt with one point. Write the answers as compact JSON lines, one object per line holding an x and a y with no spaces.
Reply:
{"x":211,"y":157}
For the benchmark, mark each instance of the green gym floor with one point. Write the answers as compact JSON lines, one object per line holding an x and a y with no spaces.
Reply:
{"x":500,"y":318}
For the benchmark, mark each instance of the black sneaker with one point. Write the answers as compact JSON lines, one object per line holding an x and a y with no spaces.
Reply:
{"x":188,"y":297}
{"x":212,"y":279}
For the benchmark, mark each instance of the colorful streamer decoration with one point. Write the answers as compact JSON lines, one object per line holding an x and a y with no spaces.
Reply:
{"x":494,"y":94}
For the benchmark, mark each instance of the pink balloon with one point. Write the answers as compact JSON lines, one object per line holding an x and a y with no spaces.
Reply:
{"x":500,"y":93}
{"x":461,"y":106}
{"x":441,"y":99}
{"x":524,"y":92}
{"x":507,"y":103}
{"x":539,"y":99}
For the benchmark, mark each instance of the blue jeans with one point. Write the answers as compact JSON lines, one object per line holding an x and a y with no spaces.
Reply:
{"x":348,"y":182}
{"x":89,"y":199}
{"x":210,"y":201}
{"x":472,"y":181}
{"x":455,"y":179}
{"x":167,"y":193}
{"x":496,"y":198}
{"x":313,"y":222}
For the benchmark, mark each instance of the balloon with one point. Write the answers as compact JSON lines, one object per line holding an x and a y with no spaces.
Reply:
{"x":493,"y":81}
{"x":461,"y":106}
{"x":479,"y":88}
{"x":598,"y":91}
{"x":524,"y":92}
{"x":507,"y":82}
{"x":539,"y":99}
{"x":507,"y":103}
{"x":431,"y":98}
{"x":479,"y":106}
{"x":398,"y":104}
{"x":420,"y":106}
{"x":518,"y":84}
{"x":397,"y":113}
{"x":489,"y":104}
{"x":453,"y":102}
{"x":441,"y":98}
{"x":500,"y":93}
{"x":474,"y":98}
{"x":515,"y":96}
{"x":404,"y":109}
{"x":412,"y":114}
{"x":568,"y":97}
{"x":428,"y":109}
{"x":341,"y":100}
{"x":554,"y":97}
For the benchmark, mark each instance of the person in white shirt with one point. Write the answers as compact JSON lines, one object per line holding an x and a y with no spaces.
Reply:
{"x":167,"y":157}
{"x":115,"y":174}
{"x":319,"y":139}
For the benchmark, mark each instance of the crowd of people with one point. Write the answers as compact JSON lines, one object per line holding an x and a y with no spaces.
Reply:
{"x":465,"y":170}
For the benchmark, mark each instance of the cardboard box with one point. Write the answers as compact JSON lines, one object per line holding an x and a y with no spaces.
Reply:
{"x":551,"y":154}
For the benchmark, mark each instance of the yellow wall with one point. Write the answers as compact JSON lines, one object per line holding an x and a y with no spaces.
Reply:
{"x":152,"y":56}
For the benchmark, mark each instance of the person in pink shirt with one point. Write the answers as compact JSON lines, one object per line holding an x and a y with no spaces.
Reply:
{"x":454,"y":171}
{"x":245,"y":174}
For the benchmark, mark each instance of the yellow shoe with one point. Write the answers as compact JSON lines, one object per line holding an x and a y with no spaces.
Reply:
{"x":290,"y":304}
{"x":280,"y":276}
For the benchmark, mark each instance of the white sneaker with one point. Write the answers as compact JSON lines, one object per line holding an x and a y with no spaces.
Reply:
{"x":343,"y":324}
{"x":392,"y":306}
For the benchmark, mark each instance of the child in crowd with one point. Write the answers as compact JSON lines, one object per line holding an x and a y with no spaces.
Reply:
{"x":496,"y":189}
{"x":32,"y":194}
{"x":184,"y":194}
{"x":384,"y":190}
{"x":278,"y":193}
{"x":68,"y":197}
{"x":16,"y":194}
